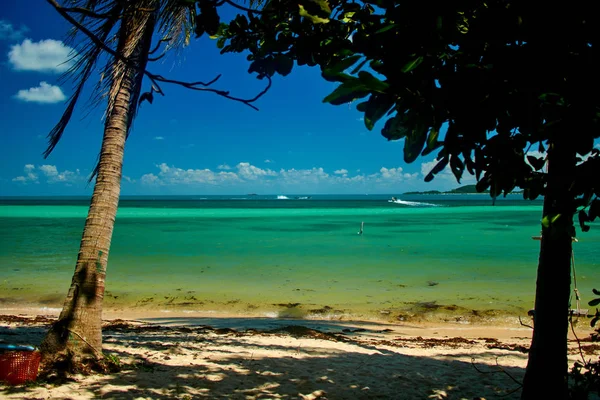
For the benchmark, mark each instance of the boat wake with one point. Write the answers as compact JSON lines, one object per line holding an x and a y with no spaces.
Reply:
{"x":280,"y":197}
{"x":413,"y":203}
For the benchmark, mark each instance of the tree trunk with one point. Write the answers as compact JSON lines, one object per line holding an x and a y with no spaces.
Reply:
{"x":75,"y":340}
{"x":547,"y":367}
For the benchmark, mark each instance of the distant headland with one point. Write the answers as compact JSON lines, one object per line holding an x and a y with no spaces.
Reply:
{"x":466,"y":189}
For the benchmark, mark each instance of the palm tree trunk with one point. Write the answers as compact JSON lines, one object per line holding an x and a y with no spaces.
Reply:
{"x":76,"y":338}
{"x":546,"y":374}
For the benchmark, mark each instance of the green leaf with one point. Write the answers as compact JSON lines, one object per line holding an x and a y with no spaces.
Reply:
{"x":315,"y":19}
{"x":432,"y":141}
{"x":549,"y":219}
{"x":463,"y":23}
{"x":397,"y":127}
{"x":387,"y":28}
{"x":362,"y":107}
{"x":415,"y":141}
{"x":342,"y":65}
{"x":377,"y":106}
{"x":372,"y":83}
{"x":346,"y":92}
{"x":336,"y":77}
{"x":221,"y":42}
{"x":409,"y":66}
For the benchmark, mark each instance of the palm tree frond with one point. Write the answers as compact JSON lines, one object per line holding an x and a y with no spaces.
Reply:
{"x":80,"y":72}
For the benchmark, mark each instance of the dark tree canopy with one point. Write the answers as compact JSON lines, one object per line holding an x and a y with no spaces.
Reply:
{"x":505,"y":76}
{"x":485,"y":84}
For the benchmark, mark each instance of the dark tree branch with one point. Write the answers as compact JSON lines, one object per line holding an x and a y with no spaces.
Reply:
{"x":157,"y":58}
{"x":499,"y":370}
{"x":195,"y":86}
{"x":158,"y":78}
{"x":155,"y":49}
{"x":524,"y":324}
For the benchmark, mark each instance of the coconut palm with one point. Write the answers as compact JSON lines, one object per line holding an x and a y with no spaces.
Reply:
{"x":121,"y":30}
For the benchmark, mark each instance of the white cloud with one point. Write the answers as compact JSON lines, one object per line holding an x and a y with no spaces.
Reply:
{"x":303,"y":176}
{"x":49,"y":170}
{"x":247,"y":177}
{"x":9,"y":32}
{"x":247,"y":171}
{"x":44,"y":94}
{"x":49,"y":55}
{"x":224,"y":166}
{"x":159,"y":138}
{"x":177,"y":176}
{"x":50,"y":173}
{"x":396,"y":174}
{"x":149,"y":179}
{"x":267,"y":161}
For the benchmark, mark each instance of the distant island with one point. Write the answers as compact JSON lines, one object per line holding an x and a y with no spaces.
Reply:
{"x":466,"y":189}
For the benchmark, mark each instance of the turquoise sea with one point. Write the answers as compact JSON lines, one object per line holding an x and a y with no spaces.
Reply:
{"x":444,"y":257}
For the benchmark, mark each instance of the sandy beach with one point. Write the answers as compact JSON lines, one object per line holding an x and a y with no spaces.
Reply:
{"x":178,"y":357}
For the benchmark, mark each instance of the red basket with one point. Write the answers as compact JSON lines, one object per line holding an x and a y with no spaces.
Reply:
{"x":17,"y":367}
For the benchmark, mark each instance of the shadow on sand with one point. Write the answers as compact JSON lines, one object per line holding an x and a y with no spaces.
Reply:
{"x":251,"y":359}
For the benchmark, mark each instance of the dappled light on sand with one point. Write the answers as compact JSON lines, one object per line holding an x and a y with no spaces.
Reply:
{"x":292,"y":361}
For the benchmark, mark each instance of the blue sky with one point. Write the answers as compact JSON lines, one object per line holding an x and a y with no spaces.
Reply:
{"x":188,"y":142}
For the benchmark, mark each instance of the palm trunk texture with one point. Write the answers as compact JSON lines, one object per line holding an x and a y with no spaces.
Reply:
{"x":76,"y":338}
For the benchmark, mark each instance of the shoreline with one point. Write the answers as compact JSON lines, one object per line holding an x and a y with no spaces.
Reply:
{"x":504,"y":330}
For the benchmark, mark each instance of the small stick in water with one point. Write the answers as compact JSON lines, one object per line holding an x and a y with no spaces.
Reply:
{"x":362,"y":225}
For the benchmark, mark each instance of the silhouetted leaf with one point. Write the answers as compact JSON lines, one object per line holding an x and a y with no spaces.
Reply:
{"x":536,"y":163}
{"x":283,"y":64}
{"x":457,"y":167}
{"x":387,"y":28}
{"x":439,"y":167}
{"x":594,"y":302}
{"x":415,"y":140}
{"x":346,"y":92}
{"x":594,"y":210}
{"x":377,"y":106}
{"x":146,"y":96}
{"x":397,"y":127}
{"x":341,"y":65}
{"x":432,"y":141}
{"x":483,"y":184}
{"x":371,"y":82}
{"x":583,"y":218}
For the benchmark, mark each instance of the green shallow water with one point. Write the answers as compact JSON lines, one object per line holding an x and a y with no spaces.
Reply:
{"x":299,"y":258}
